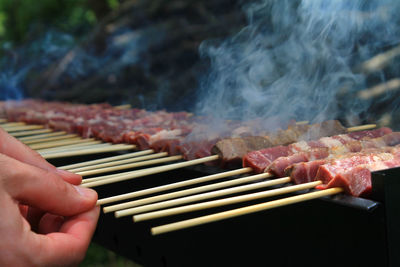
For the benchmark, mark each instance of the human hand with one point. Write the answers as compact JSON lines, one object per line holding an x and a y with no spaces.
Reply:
{"x":29,"y":237}
{"x":13,"y":148}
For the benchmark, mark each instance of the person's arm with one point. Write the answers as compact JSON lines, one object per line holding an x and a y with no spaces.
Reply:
{"x":45,"y":220}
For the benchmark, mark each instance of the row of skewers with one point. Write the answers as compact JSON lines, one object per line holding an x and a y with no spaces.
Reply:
{"x":375,"y":147}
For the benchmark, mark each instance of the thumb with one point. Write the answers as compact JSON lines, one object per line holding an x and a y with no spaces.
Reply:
{"x":44,"y":189}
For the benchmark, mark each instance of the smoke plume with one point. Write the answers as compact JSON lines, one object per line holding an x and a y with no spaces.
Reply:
{"x":295,"y":59}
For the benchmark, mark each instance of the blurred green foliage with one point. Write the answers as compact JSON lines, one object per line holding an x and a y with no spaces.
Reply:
{"x":21,"y":18}
{"x":98,"y":256}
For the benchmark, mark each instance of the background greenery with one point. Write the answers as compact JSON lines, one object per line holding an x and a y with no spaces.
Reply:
{"x":98,"y":256}
{"x":19,"y":19}
{"x":24,"y":20}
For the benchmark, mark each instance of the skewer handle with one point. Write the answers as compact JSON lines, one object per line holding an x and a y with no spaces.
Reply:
{"x":242,"y":211}
{"x":178,"y":197}
{"x":224,"y":201}
{"x":130,"y":165}
{"x":157,"y":189}
{"x":149,"y":171}
{"x":361,"y":127}
{"x":107,"y":159}
{"x":88,"y":151}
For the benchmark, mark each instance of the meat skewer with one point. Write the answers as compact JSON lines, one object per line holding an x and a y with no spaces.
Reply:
{"x":388,"y":139}
{"x":282,"y":136}
{"x":125,"y":176}
{"x":352,"y":171}
{"x":280,"y":166}
{"x":337,"y":173}
{"x":233,"y":150}
{"x":134,"y":126}
{"x":350,"y":180}
{"x":259,"y":160}
{"x":143,"y":118}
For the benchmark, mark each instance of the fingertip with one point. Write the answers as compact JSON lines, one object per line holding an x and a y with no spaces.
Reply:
{"x":94,"y":213}
{"x":87,"y":193}
{"x":69,"y":177}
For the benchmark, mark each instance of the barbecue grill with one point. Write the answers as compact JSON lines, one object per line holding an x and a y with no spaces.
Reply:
{"x":338,"y":230}
{"x":331,"y":231}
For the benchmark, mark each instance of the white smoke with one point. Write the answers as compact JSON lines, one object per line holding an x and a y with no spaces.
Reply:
{"x":295,"y":57}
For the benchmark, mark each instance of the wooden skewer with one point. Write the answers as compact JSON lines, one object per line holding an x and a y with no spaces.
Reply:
{"x":172,"y":186}
{"x":75,"y":140}
{"x":380,"y":89}
{"x":183,"y":200}
{"x":149,"y":171}
{"x":119,"y":162}
{"x":190,"y":191}
{"x":301,"y":122}
{"x":31,"y":133}
{"x":108,"y":176}
{"x":223,"y":202}
{"x":361,"y":127}
{"x":46,"y":134}
{"x":107,"y":159}
{"x":126,"y":106}
{"x":49,"y":139}
{"x":12,"y":124}
{"x":379,"y":61}
{"x":136,"y":172}
{"x":88,"y":151}
{"x":73,"y":147}
{"x":23,"y":128}
{"x":131,"y":165}
{"x":242,"y":211}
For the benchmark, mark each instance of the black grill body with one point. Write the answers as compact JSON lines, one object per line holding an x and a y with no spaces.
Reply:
{"x":331,"y":231}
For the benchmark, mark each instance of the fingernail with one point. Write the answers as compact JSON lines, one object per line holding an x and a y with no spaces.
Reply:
{"x":86,"y":192}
